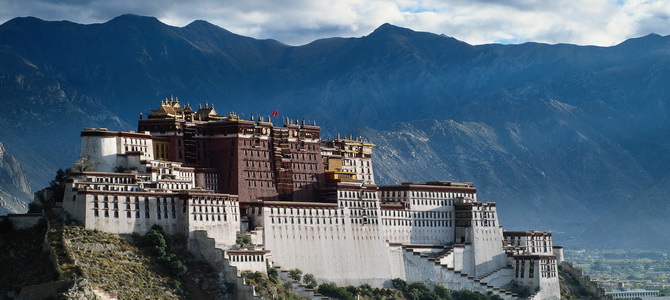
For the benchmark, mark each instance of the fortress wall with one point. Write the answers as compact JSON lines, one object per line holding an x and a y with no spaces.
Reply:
{"x":220,"y":219}
{"x":549,"y":289}
{"x":488,"y":252}
{"x":101,"y":150}
{"x":417,"y":226}
{"x":23,"y":221}
{"x":253,"y":260}
{"x":74,"y":203}
{"x":397,"y":261}
{"x":125,"y":214}
{"x":205,"y":248}
{"x":257,"y":236}
{"x":539,"y":274}
{"x":468,"y":259}
{"x":419,"y":268}
{"x":315,"y":241}
{"x":499,"y":277}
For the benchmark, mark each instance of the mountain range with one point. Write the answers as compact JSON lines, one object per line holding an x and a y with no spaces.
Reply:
{"x":572,"y":139}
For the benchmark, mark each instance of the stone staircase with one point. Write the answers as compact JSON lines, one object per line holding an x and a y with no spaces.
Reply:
{"x":465,"y":281}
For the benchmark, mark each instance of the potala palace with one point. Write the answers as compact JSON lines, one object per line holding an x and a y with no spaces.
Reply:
{"x":305,"y":202}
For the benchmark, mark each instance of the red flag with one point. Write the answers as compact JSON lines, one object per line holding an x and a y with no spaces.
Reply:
{"x":275,"y":113}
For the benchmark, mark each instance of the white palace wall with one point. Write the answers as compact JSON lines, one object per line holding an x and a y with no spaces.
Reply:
{"x":101,"y":151}
{"x":327,"y":243}
{"x":124,"y":212}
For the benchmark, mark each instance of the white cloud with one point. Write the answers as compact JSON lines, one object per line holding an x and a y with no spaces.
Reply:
{"x":599,"y":22}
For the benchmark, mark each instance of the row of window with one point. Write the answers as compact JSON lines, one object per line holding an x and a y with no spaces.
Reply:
{"x":417,"y":214}
{"x":124,"y":180}
{"x":256,"y":164}
{"x":301,"y":156}
{"x":422,"y":194}
{"x":417,"y":223}
{"x":246,"y":258}
{"x":259,"y":183}
{"x":547,"y":268}
{"x":256,"y":153}
{"x":109,"y":187}
{"x":305,"y":220}
{"x":313,"y":237}
{"x":305,"y":211}
{"x":356,"y":195}
{"x":130,"y":213}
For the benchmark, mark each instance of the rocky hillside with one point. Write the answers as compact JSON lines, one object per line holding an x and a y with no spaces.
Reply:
{"x":68,"y":262}
{"x":14,"y":188}
{"x":564,"y":137}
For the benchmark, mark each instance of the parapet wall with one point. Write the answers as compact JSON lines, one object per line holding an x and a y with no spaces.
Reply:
{"x":585,"y":281}
{"x":204,"y":247}
{"x":420,"y":268}
{"x":22,"y":221}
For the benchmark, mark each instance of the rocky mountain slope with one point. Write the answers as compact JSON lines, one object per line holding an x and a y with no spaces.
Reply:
{"x":14,"y":189}
{"x":562,"y":136}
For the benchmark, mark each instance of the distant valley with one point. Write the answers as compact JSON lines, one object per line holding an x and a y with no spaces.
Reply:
{"x":572,"y":139}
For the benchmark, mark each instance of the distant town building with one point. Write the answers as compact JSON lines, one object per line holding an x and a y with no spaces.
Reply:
{"x":305,"y":202}
{"x":634,"y":294}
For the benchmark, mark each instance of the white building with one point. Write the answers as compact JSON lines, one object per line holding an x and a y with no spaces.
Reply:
{"x":353,"y":232}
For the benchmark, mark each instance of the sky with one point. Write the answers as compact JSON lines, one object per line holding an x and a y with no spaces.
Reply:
{"x":297,"y":22}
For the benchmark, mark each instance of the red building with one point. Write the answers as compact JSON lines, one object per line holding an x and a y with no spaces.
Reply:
{"x":250,"y":158}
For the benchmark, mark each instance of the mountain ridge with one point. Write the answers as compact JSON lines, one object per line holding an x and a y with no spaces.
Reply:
{"x":529,"y":124}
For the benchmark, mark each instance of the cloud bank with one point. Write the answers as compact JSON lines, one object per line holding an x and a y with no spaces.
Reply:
{"x":296,"y":22}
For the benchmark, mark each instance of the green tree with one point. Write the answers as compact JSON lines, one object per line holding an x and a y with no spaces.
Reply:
{"x":399,"y":284}
{"x":442,"y":292}
{"x":243,"y":239}
{"x":55,"y":191}
{"x":309,"y":281}
{"x":295,"y":274}
{"x":273,"y":274}
{"x":332,"y":290}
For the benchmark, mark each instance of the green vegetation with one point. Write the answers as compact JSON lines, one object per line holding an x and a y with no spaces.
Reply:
{"x":309,"y":281}
{"x":570,"y":287}
{"x":295,"y":274}
{"x":155,"y":240}
{"x":119,"y":267}
{"x":243,"y":239}
{"x":637,"y":268}
{"x":269,"y":289}
{"x":57,"y":192}
{"x":273,"y":274}
{"x":402,"y":290}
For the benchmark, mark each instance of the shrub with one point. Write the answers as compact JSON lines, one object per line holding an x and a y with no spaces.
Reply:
{"x":273,"y":274}
{"x":442,"y":292}
{"x":399,"y":284}
{"x":243,"y":239}
{"x":295,"y":274}
{"x":309,"y":281}
{"x":332,"y":290}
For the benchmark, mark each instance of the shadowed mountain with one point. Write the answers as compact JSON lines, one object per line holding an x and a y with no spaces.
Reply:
{"x":14,"y":189}
{"x":561,"y":136}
